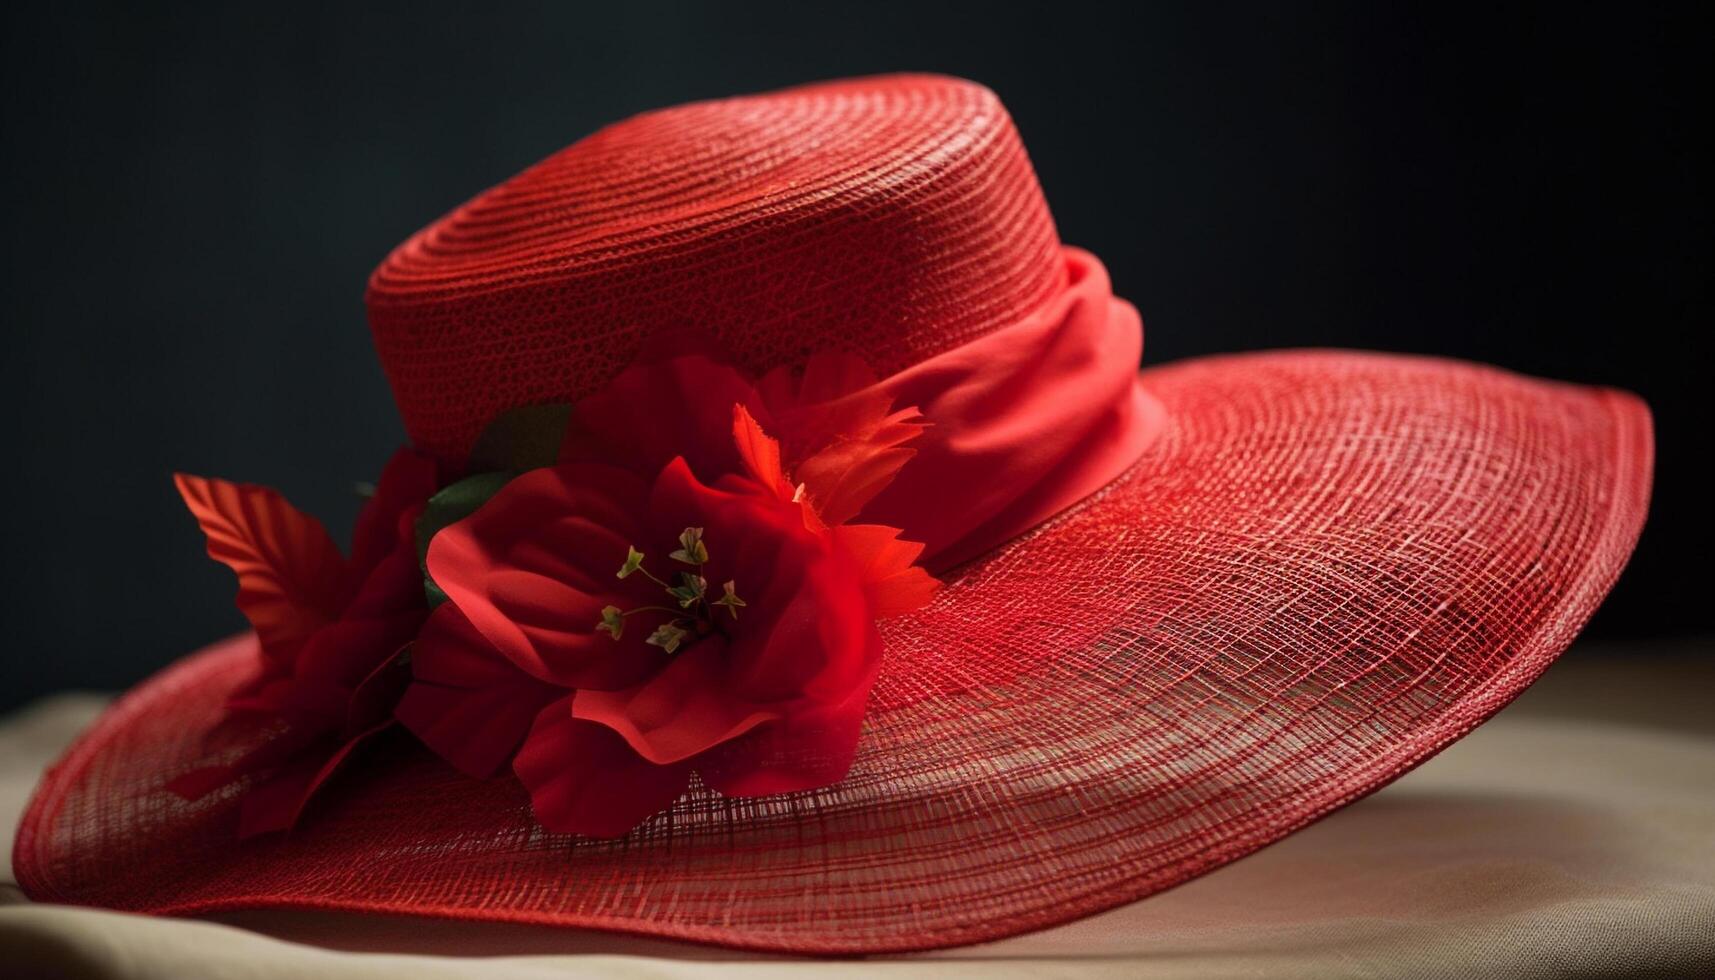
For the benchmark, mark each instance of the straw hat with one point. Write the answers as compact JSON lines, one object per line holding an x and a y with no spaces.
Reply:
{"x":789,"y":555}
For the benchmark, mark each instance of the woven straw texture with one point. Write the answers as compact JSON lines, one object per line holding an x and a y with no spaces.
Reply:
{"x":895,"y":216}
{"x":1330,"y":567}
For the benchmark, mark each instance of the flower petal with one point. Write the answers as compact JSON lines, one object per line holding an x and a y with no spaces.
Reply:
{"x":384,"y":616}
{"x":893,"y":584}
{"x":810,"y":746}
{"x":584,"y":779}
{"x":827,"y":376}
{"x":847,"y":473}
{"x":657,"y":410}
{"x":394,"y":584}
{"x":373,"y":700}
{"x":406,"y":481}
{"x":806,"y":605}
{"x":346,"y":651}
{"x":759,"y":452}
{"x":469,"y":705}
{"x":842,"y":438}
{"x":533,"y":568}
{"x":681,"y":711}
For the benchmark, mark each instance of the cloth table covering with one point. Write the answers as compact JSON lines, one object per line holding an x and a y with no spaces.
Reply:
{"x":1574,"y":835}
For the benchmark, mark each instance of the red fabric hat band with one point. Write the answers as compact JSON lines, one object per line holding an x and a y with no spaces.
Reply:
{"x":1025,"y":421}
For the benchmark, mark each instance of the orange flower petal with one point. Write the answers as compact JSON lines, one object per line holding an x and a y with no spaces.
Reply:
{"x":893,"y":584}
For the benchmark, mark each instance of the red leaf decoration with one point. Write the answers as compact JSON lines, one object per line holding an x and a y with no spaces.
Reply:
{"x":293,"y":764}
{"x":291,"y":576}
{"x":276,"y":802}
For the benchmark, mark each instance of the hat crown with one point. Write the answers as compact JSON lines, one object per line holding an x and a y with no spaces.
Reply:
{"x":895,"y":216}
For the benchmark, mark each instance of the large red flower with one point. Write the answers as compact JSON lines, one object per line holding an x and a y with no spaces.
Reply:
{"x":666,"y":599}
{"x":328,"y":627}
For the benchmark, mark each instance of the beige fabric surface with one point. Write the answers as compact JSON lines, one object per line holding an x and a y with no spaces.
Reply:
{"x":1574,"y":835}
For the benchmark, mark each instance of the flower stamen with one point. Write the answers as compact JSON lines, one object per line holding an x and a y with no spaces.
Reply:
{"x":730,"y":600}
{"x":695,"y":616}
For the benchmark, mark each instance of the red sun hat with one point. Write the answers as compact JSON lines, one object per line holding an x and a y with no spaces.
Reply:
{"x":789,"y":555}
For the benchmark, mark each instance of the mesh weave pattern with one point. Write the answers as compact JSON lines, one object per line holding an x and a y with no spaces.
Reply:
{"x":894,"y":216}
{"x":1329,"y":567}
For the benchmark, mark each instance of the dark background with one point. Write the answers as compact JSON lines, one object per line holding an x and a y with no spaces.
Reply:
{"x":195,"y":197}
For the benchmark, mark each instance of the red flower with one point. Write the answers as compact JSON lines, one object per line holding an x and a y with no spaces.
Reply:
{"x":839,"y":432}
{"x":666,"y":600}
{"x":329,"y":629}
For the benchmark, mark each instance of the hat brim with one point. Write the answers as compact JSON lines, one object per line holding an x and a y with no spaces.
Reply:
{"x":1330,"y":566}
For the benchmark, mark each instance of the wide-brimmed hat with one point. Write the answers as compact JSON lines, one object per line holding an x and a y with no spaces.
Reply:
{"x":790,"y":555}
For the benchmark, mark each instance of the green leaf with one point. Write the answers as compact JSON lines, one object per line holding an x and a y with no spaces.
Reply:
{"x":612,"y":621}
{"x":449,"y":506}
{"x":691,"y":550}
{"x":731,"y":600}
{"x":690,"y":589}
{"x":667,"y":637}
{"x":633,"y":561}
{"x":521,"y":439}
